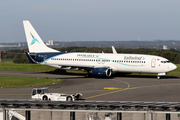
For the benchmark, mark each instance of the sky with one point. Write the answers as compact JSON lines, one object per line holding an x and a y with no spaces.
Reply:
{"x":91,"y":20}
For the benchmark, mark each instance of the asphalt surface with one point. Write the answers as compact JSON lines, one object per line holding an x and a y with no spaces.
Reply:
{"x":118,"y":88}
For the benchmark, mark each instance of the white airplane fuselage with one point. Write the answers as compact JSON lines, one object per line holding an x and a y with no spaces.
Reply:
{"x":137,"y":63}
{"x":98,"y":64}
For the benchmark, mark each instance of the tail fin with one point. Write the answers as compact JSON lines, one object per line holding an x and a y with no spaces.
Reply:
{"x":35,"y":43}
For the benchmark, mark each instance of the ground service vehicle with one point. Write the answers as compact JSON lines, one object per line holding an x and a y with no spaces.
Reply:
{"x":43,"y":94}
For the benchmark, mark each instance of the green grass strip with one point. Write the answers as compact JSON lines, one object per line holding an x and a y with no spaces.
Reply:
{"x":7,"y":82}
{"x":25,"y":67}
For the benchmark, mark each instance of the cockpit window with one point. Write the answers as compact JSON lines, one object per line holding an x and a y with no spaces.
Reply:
{"x":165,"y":61}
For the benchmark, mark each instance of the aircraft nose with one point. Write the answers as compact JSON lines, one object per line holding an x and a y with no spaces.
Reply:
{"x":173,"y":66}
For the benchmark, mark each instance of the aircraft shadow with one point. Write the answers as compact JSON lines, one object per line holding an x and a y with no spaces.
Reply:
{"x":81,"y":75}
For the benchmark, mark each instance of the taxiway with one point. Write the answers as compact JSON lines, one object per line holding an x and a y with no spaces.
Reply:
{"x":123,"y":88}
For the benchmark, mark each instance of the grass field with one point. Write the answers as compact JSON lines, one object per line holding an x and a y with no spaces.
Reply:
{"x":6,"y":81}
{"x":29,"y":67}
{"x":25,"y":67}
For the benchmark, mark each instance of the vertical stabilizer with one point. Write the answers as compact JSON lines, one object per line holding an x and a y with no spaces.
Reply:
{"x":35,"y":43}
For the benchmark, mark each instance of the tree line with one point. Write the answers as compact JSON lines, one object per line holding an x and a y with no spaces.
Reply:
{"x":18,"y":56}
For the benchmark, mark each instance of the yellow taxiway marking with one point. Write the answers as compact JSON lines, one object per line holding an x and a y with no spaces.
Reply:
{"x":128,"y":89}
{"x":112,"y":88}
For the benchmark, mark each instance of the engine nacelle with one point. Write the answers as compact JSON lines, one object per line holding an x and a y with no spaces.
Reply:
{"x":101,"y":72}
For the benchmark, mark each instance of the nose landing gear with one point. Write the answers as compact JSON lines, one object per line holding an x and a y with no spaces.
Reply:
{"x":160,"y":74}
{"x":158,"y":77}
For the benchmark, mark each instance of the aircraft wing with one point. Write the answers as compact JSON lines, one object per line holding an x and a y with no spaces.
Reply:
{"x":72,"y":67}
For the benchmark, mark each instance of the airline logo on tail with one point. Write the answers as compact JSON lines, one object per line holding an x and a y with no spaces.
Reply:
{"x":34,"y":40}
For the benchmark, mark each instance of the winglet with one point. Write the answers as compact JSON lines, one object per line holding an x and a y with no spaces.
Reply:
{"x":114,"y":50}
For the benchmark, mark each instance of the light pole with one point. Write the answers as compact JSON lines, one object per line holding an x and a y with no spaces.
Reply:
{"x":0,"y":55}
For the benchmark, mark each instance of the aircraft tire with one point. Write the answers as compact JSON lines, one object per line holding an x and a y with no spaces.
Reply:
{"x":87,"y":75}
{"x":45,"y":98}
{"x":69,"y":98}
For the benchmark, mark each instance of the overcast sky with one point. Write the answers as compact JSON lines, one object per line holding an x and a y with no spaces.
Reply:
{"x":91,"y":20}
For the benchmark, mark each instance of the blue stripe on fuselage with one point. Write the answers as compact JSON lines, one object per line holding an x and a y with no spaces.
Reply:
{"x":43,"y":57}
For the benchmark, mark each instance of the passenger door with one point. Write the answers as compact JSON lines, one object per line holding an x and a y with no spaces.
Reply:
{"x":153,"y":62}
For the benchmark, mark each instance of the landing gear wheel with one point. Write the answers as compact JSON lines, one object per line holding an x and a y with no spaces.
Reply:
{"x":86,"y":75}
{"x":158,"y":77}
{"x":45,"y":98}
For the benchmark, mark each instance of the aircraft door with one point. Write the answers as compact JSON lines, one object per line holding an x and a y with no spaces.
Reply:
{"x":100,"y":61}
{"x":153,"y":63}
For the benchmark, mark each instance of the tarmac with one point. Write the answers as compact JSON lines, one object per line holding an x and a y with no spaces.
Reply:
{"x":117,"y":88}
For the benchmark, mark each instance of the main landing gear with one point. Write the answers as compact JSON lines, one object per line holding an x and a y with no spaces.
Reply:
{"x":87,"y":75}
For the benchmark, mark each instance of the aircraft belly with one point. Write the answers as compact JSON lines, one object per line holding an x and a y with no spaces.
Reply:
{"x":136,"y":69}
{"x":55,"y":66}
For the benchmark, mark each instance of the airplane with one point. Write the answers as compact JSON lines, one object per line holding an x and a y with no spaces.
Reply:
{"x":95,"y":64}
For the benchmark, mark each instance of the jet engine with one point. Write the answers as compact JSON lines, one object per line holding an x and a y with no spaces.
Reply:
{"x":101,"y":72}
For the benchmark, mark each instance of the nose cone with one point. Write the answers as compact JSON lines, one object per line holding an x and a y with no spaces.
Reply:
{"x":173,"y":67}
